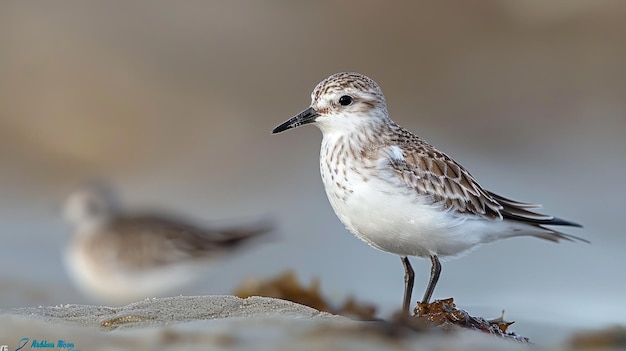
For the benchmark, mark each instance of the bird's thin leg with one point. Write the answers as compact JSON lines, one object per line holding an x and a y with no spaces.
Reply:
{"x":435,"y":270}
{"x":409,"y":279}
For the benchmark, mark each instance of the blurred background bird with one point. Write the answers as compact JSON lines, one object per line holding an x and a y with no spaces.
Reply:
{"x":121,"y":257}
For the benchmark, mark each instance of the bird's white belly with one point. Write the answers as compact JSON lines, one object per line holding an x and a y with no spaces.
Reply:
{"x":89,"y":276}
{"x":399,"y":221}
{"x":110,"y":283}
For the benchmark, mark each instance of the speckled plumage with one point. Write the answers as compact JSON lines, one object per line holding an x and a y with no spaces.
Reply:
{"x":400,"y":194}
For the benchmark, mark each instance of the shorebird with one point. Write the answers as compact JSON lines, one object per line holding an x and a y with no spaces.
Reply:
{"x":400,"y":194}
{"x":121,"y":257}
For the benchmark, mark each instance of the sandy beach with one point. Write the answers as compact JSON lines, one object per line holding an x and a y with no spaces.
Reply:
{"x":215,"y":323}
{"x":219,"y":322}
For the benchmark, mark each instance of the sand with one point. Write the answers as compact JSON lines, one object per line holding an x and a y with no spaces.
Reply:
{"x":216,"y":323}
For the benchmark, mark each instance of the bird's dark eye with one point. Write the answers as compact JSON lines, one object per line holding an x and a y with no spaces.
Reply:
{"x":345,"y":100}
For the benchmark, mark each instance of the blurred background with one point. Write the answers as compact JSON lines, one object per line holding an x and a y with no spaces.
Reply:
{"x":174,"y":103}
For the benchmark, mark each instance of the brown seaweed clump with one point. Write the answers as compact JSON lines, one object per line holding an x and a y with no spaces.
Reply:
{"x":613,"y":338}
{"x":441,"y":315}
{"x":445,"y":314}
{"x":287,"y":287}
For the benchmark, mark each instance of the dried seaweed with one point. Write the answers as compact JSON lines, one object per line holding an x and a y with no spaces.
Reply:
{"x":287,"y":287}
{"x":440,"y":314}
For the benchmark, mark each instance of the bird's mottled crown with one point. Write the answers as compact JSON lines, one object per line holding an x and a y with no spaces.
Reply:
{"x":345,"y":81}
{"x":96,"y":202}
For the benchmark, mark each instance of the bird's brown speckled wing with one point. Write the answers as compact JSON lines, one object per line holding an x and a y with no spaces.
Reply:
{"x":430,"y":172}
{"x":145,"y":241}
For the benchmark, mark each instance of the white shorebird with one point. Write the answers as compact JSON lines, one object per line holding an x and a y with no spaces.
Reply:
{"x":120,"y":257}
{"x":398,"y":193}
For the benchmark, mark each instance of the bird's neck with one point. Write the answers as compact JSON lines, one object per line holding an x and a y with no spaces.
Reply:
{"x":89,"y":226}
{"x":357,"y":140}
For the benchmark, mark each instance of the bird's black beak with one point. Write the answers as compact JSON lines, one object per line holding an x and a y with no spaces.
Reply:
{"x":305,"y":117}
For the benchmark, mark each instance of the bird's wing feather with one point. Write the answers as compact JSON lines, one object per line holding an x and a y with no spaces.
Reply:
{"x":432,"y":173}
{"x":156,"y":240}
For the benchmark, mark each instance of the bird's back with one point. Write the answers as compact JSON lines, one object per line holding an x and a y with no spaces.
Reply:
{"x":148,"y":241}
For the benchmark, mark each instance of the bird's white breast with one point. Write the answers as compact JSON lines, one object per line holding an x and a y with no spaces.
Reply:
{"x":101,"y":276}
{"x":385,"y":214}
